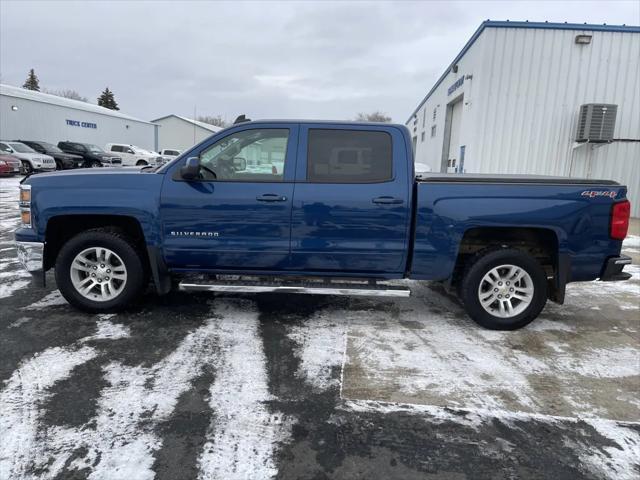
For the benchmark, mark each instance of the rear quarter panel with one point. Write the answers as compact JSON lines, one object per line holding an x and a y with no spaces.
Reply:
{"x":445,"y":211}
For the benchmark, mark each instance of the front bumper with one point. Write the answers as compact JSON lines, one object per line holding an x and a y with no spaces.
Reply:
{"x":613,"y":269}
{"x":31,"y":256}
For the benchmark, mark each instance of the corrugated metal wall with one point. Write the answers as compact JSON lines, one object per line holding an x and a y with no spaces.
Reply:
{"x":46,"y":122}
{"x":179,"y":134}
{"x":522,"y":95}
{"x":533,"y":84}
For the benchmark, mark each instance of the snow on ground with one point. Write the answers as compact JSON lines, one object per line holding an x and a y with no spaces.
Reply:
{"x":632,"y":241}
{"x":50,"y":300}
{"x":243,"y":434}
{"x":591,"y":294}
{"x":21,"y":400}
{"x":322,"y":340}
{"x":120,"y":440}
{"x":618,"y":462}
{"x":421,"y":356}
{"x":13,"y":278}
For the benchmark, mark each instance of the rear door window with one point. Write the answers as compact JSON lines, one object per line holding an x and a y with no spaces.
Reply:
{"x":349,"y":156}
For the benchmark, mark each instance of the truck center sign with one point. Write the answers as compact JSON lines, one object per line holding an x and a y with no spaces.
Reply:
{"x":76,"y":123}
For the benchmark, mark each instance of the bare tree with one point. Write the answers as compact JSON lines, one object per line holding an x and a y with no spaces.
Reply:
{"x":376,"y":116}
{"x":66,"y":93}
{"x":216,"y":121}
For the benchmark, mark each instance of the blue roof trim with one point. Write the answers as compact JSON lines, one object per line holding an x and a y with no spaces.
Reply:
{"x":508,"y":24}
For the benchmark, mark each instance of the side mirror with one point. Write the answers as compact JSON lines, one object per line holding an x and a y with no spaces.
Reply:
{"x":239,"y":164}
{"x":191,"y":169}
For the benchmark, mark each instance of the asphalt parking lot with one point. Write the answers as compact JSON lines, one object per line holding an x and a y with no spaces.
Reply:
{"x":299,"y":387}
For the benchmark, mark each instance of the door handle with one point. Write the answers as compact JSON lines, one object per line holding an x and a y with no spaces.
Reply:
{"x":387,"y":201}
{"x":271,"y":197}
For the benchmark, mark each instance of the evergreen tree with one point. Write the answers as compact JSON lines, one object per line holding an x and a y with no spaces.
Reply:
{"x":32,"y":82}
{"x":107,"y":100}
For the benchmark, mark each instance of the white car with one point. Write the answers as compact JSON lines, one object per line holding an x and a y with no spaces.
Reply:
{"x":169,"y":153}
{"x":32,"y":161}
{"x":132,"y":155}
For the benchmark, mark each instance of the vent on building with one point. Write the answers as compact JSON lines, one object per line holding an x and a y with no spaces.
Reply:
{"x":596,"y":122}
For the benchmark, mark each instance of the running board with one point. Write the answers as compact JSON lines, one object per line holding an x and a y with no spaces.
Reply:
{"x":326,"y":288}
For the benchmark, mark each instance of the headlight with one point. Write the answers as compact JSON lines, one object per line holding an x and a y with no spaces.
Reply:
{"x":25,"y":205}
{"x":25,"y":195}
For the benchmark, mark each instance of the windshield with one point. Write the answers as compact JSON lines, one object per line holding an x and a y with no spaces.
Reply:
{"x":50,"y":147}
{"x":21,"y":148}
{"x":93,"y":148}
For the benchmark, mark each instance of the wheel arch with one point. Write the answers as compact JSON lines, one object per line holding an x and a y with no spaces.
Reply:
{"x":542,"y":243}
{"x":61,"y":228}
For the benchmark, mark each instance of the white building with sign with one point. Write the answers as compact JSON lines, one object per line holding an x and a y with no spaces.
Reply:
{"x":30,"y":115}
{"x":537,"y":98}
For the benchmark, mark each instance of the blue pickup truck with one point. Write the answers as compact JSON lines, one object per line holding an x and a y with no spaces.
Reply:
{"x":320,"y":207}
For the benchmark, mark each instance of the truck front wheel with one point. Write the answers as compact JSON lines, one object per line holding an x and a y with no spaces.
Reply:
{"x":504,"y":289}
{"x":99,"y":270}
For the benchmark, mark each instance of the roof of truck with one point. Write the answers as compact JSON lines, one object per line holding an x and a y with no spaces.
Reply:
{"x":322,"y":122}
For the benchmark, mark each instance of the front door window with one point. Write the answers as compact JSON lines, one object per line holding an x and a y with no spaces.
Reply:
{"x":248,"y":156}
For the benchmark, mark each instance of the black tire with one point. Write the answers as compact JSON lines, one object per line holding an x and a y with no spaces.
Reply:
{"x":95,"y":164}
{"x":119,"y":244}
{"x":59,"y":166}
{"x":483,"y":263}
{"x":141,"y":163}
{"x":26,"y":167}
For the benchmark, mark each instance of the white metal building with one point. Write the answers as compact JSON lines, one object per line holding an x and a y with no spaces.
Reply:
{"x":31,"y":115}
{"x":180,"y":133}
{"x":510,"y":102}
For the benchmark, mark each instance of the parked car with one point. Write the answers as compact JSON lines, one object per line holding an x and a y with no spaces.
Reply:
{"x":506,"y":244}
{"x":93,"y":155}
{"x":64,"y":161}
{"x":169,"y":153}
{"x":132,"y":155}
{"x":32,"y":161}
{"x":9,"y":165}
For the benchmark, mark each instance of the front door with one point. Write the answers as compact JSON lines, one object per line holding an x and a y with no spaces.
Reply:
{"x":237,"y":216}
{"x":351,"y":208}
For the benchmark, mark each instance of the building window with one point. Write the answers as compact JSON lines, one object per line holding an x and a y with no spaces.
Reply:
{"x":424,"y":116}
{"x":435,"y":110}
{"x":433,"y":131}
{"x":422,"y":137}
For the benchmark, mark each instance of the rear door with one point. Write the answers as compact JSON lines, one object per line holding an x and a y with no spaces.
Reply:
{"x":351,"y":208}
{"x":239,"y":219}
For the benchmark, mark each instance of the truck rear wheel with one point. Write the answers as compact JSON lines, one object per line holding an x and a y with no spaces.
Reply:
{"x":504,"y":289}
{"x":99,"y":271}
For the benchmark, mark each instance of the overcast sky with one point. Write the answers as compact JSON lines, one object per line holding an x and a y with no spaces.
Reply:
{"x":268,"y":60}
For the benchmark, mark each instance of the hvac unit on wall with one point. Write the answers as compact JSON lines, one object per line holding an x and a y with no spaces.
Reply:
{"x":596,"y":122}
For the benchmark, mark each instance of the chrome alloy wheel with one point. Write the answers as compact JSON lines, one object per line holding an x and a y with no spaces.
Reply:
{"x":98,"y":274}
{"x":506,"y":291}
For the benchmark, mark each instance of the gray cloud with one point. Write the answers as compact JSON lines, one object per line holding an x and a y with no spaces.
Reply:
{"x":269,"y":60}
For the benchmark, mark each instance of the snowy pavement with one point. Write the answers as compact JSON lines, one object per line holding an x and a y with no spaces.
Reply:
{"x":197,"y":386}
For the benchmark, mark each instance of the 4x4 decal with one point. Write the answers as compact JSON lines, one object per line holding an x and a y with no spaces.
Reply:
{"x":599,"y":193}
